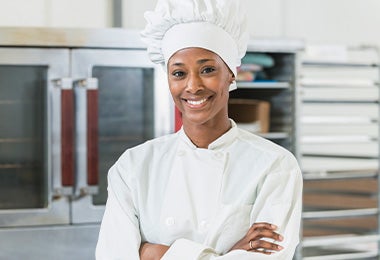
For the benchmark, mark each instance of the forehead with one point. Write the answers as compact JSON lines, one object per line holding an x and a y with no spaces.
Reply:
{"x":192,"y":54}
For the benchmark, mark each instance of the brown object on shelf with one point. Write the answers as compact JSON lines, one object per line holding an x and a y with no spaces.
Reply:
{"x":246,"y":112}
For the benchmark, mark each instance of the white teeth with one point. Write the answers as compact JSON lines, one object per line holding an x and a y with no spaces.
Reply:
{"x":198,"y":102}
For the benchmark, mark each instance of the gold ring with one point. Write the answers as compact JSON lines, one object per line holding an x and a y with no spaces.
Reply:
{"x":250,"y":244}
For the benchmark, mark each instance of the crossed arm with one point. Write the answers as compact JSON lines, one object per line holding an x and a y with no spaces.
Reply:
{"x":252,"y":241}
{"x":279,"y":202}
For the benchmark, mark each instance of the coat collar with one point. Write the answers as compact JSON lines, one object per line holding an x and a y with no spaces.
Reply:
{"x":222,"y":142}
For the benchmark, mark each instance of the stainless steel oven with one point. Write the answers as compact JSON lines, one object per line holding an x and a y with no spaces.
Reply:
{"x":71,"y":101}
{"x":30,"y":142}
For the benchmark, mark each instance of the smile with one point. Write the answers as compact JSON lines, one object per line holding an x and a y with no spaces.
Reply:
{"x":196,"y":102}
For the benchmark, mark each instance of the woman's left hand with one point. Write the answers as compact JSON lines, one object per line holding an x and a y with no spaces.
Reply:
{"x":150,"y":251}
{"x":253,"y":241}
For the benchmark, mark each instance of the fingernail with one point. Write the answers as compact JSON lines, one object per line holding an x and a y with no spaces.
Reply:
{"x":281,"y":238}
{"x":280,"y":247}
{"x":274,"y":226}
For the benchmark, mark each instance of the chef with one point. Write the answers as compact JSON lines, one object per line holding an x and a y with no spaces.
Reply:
{"x":211,"y":190}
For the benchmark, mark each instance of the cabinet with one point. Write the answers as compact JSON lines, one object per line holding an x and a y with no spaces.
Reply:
{"x":71,"y":101}
{"x":339,"y":147}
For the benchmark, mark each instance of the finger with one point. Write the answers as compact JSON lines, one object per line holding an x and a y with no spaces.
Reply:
{"x":262,"y":251}
{"x":264,"y":246}
{"x":264,"y":233}
{"x":262,"y":225}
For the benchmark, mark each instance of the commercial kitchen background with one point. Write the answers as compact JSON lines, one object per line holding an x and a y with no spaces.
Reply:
{"x":335,"y":25}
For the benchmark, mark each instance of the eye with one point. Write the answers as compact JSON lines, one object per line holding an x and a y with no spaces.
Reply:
{"x":208,"y":70}
{"x":178,"y":74}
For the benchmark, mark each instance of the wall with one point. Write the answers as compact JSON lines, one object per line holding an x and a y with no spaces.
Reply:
{"x":133,"y":12}
{"x":350,"y":22}
{"x":265,"y":16}
{"x":55,"y":13}
{"x":317,"y":21}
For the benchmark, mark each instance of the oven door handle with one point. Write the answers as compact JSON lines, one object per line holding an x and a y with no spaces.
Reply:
{"x":62,"y":137}
{"x":87,"y":135}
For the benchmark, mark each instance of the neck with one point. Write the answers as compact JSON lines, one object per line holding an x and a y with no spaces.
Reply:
{"x":203,"y":135}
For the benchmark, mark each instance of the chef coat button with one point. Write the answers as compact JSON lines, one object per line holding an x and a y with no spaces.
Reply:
{"x":219,"y":155}
{"x":170,"y":221}
{"x":181,"y":153}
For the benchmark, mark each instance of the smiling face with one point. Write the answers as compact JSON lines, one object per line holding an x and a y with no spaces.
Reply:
{"x":199,"y":84}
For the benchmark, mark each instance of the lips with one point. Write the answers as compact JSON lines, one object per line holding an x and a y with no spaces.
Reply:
{"x":196,"y":102}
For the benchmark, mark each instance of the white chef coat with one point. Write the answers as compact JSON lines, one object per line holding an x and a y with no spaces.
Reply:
{"x":199,"y":201}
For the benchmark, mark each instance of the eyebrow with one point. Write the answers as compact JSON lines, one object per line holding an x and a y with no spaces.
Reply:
{"x":201,"y":61}
{"x":204,"y":61}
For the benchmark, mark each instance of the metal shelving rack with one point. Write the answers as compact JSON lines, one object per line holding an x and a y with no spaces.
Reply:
{"x":281,"y":89}
{"x":339,"y":149}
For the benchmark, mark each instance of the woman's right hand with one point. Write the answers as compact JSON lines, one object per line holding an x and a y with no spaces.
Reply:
{"x":253,"y":241}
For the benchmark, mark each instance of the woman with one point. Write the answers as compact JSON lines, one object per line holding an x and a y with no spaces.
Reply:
{"x":212,"y":190}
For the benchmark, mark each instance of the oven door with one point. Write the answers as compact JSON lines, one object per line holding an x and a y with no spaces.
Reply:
{"x":36,"y":156}
{"x":121,"y":100}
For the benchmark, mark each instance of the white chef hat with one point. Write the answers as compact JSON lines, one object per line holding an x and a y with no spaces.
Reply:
{"x":216,"y":25}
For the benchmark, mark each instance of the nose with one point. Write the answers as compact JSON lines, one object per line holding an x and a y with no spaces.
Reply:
{"x":194,"y":83}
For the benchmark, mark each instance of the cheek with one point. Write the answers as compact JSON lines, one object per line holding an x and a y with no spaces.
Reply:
{"x":175,"y":93}
{"x":173,"y":88}
{"x":225,"y":89}
{"x":225,"y":97}
{"x":225,"y":94}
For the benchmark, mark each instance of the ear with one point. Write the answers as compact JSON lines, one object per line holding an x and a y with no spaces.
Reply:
{"x":232,"y":83}
{"x":232,"y":78}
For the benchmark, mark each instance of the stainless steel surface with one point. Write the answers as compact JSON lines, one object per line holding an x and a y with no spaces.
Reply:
{"x":84,"y":211}
{"x":364,"y":255}
{"x":340,"y":213}
{"x":70,"y":37}
{"x":70,"y":65}
{"x":57,"y":209}
{"x":80,"y":91}
{"x":84,"y":60}
{"x":337,"y":228}
{"x":280,"y":45}
{"x":49,"y":243}
{"x":339,"y":240}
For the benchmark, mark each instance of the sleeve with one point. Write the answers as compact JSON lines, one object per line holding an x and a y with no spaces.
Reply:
{"x":119,"y":236}
{"x":279,"y":202}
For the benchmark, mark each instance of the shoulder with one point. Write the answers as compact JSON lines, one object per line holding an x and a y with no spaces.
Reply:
{"x":138,"y":159}
{"x":151,"y":147}
{"x":145,"y":152}
{"x":266,"y":149}
{"x":257,"y":142}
